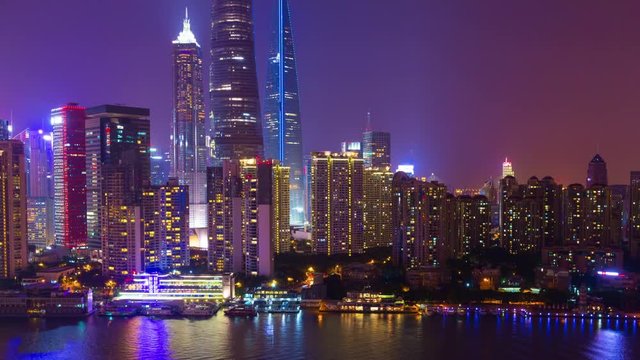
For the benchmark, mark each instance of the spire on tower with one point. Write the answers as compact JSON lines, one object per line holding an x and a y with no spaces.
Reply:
{"x":186,"y":36}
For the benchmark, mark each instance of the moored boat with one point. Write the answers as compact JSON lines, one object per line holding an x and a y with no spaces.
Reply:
{"x":241,"y":311}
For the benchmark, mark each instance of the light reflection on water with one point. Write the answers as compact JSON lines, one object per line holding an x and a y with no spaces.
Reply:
{"x":320,"y":336}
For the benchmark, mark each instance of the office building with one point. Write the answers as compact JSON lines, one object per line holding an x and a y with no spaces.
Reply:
{"x":5,"y":130}
{"x":376,"y":148}
{"x":13,"y":208}
{"x":634,"y":215}
{"x":597,"y":172}
{"x":160,"y":166}
{"x":507,"y":169}
{"x":189,"y":134}
{"x":235,"y":104}
{"x":166,"y":227}
{"x":377,"y":197}
{"x":282,"y":124}
{"x":69,"y":176}
{"x":336,"y":203}
{"x":116,"y":137}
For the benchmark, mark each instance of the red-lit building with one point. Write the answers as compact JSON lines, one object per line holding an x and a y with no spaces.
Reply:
{"x":69,"y":159}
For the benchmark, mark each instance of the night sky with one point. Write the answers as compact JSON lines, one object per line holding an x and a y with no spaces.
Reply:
{"x":460,"y":84}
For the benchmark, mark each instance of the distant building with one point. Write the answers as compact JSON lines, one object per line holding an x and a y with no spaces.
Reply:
{"x":473,"y":224}
{"x":336,"y":203}
{"x":160,"y":166}
{"x":166,"y":227}
{"x":282,"y":124}
{"x":39,"y":170}
{"x":598,"y":216}
{"x":634,"y":215}
{"x":597,"y":172}
{"x":574,"y":214}
{"x":69,"y":174}
{"x":13,"y":208}
{"x":507,"y":169}
{"x":376,"y":149}
{"x":351,"y":147}
{"x":376,"y":207}
{"x":418,"y":223}
{"x":5,"y":130}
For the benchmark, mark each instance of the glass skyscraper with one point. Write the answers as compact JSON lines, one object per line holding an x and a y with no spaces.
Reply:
{"x":189,"y":139}
{"x":235,"y":104}
{"x":282,"y":120}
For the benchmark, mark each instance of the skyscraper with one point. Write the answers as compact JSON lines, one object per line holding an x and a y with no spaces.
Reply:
{"x":69,"y":176}
{"x":574,"y":215}
{"x":235,"y":104}
{"x":376,"y":148}
{"x":189,"y":136}
{"x":13,"y":208}
{"x":5,"y":130}
{"x":248,"y":215}
{"x":336,"y":203}
{"x":634,"y":215}
{"x":39,"y":170}
{"x":597,"y":172}
{"x":418,"y":222}
{"x":160,"y":166}
{"x":116,"y":136}
{"x":376,"y":206}
{"x":507,"y":169}
{"x":282,"y":125}
{"x":166,"y":226}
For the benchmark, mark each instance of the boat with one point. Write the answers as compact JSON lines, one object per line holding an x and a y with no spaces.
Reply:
{"x":200,"y":310}
{"x":241,"y":311}
{"x":370,"y":303}
{"x":284,"y":306}
{"x":157,"y":311}
{"x":427,"y":312}
{"x":118,"y":311}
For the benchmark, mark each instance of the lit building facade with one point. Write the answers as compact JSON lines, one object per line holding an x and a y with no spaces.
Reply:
{"x":235,"y":104}
{"x":507,"y":169}
{"x":153,"y":287}
{"x":160,"y":166}
{"x":189,"y":151}
{"x":574,"y":215}
{"x":472,"y":224}
{"x":377,"y":199}
{"x":166,"y":227}
{"x":419,"y":223}
{"x":376,"y":149}
{"x":69,"y":176}
{"x":282,"y":125}
{"x":13,"y":208}
{"x":5,"y":130}
{"x":39,"y":171}
{"x":116,"y":137}
{"x":336,"y":203}
{"x":634,"y":215}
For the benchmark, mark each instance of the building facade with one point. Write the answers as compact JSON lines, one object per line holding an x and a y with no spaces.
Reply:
{"x":13,"y":208}
{"x":69,"y":176}
{"x":376,"y":149}
{"x":336,"y":203}
{"x":235,"y":104}
{"x":377,"y":198}
{"x":166,"y":227}
{"x":597,"y":172}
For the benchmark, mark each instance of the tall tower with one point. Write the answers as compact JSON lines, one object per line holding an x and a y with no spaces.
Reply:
{"x":69,"y":176}
{"x":597,"y":172}
{"x":235,"y":103}
{"x":13,"y":208}
{"x":507,"y":169}
{"x":189,"y":137}
{"x":282,"y":127}
{"x":376,"y":147}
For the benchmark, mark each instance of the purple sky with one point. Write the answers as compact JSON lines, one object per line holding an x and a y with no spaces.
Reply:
{"x":460,"y":84}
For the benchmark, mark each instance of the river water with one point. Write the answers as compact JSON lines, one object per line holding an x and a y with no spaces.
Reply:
{"x":310,"y":335}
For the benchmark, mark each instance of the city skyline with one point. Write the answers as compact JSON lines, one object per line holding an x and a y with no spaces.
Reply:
{"x":431,"y":117}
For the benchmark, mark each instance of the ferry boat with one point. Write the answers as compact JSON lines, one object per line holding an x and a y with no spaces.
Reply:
{"x":241,"y":311}
{"x":284,"y":306}
{"x":157,"y":311}
{"x":370,"y":303}
{"x":118,"y":311}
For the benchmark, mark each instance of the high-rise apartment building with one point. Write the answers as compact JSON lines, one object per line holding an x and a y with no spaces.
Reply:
{"x":189,"y":151}
{"x":574,"y":215}
{"x":69,"y":176}
{"x":377,"y":198}
{"x":634,"y":215}
{"x":419,"y":223}
{"x":166,"y":227}
{"x":13,"y":208}
{"x":116,"y":137}
{"x":282,"y":124}
{"x":38,"y":152}
{"x":336,"y":203}
{"x":235,"y":104}
{"x":472,"y":224}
